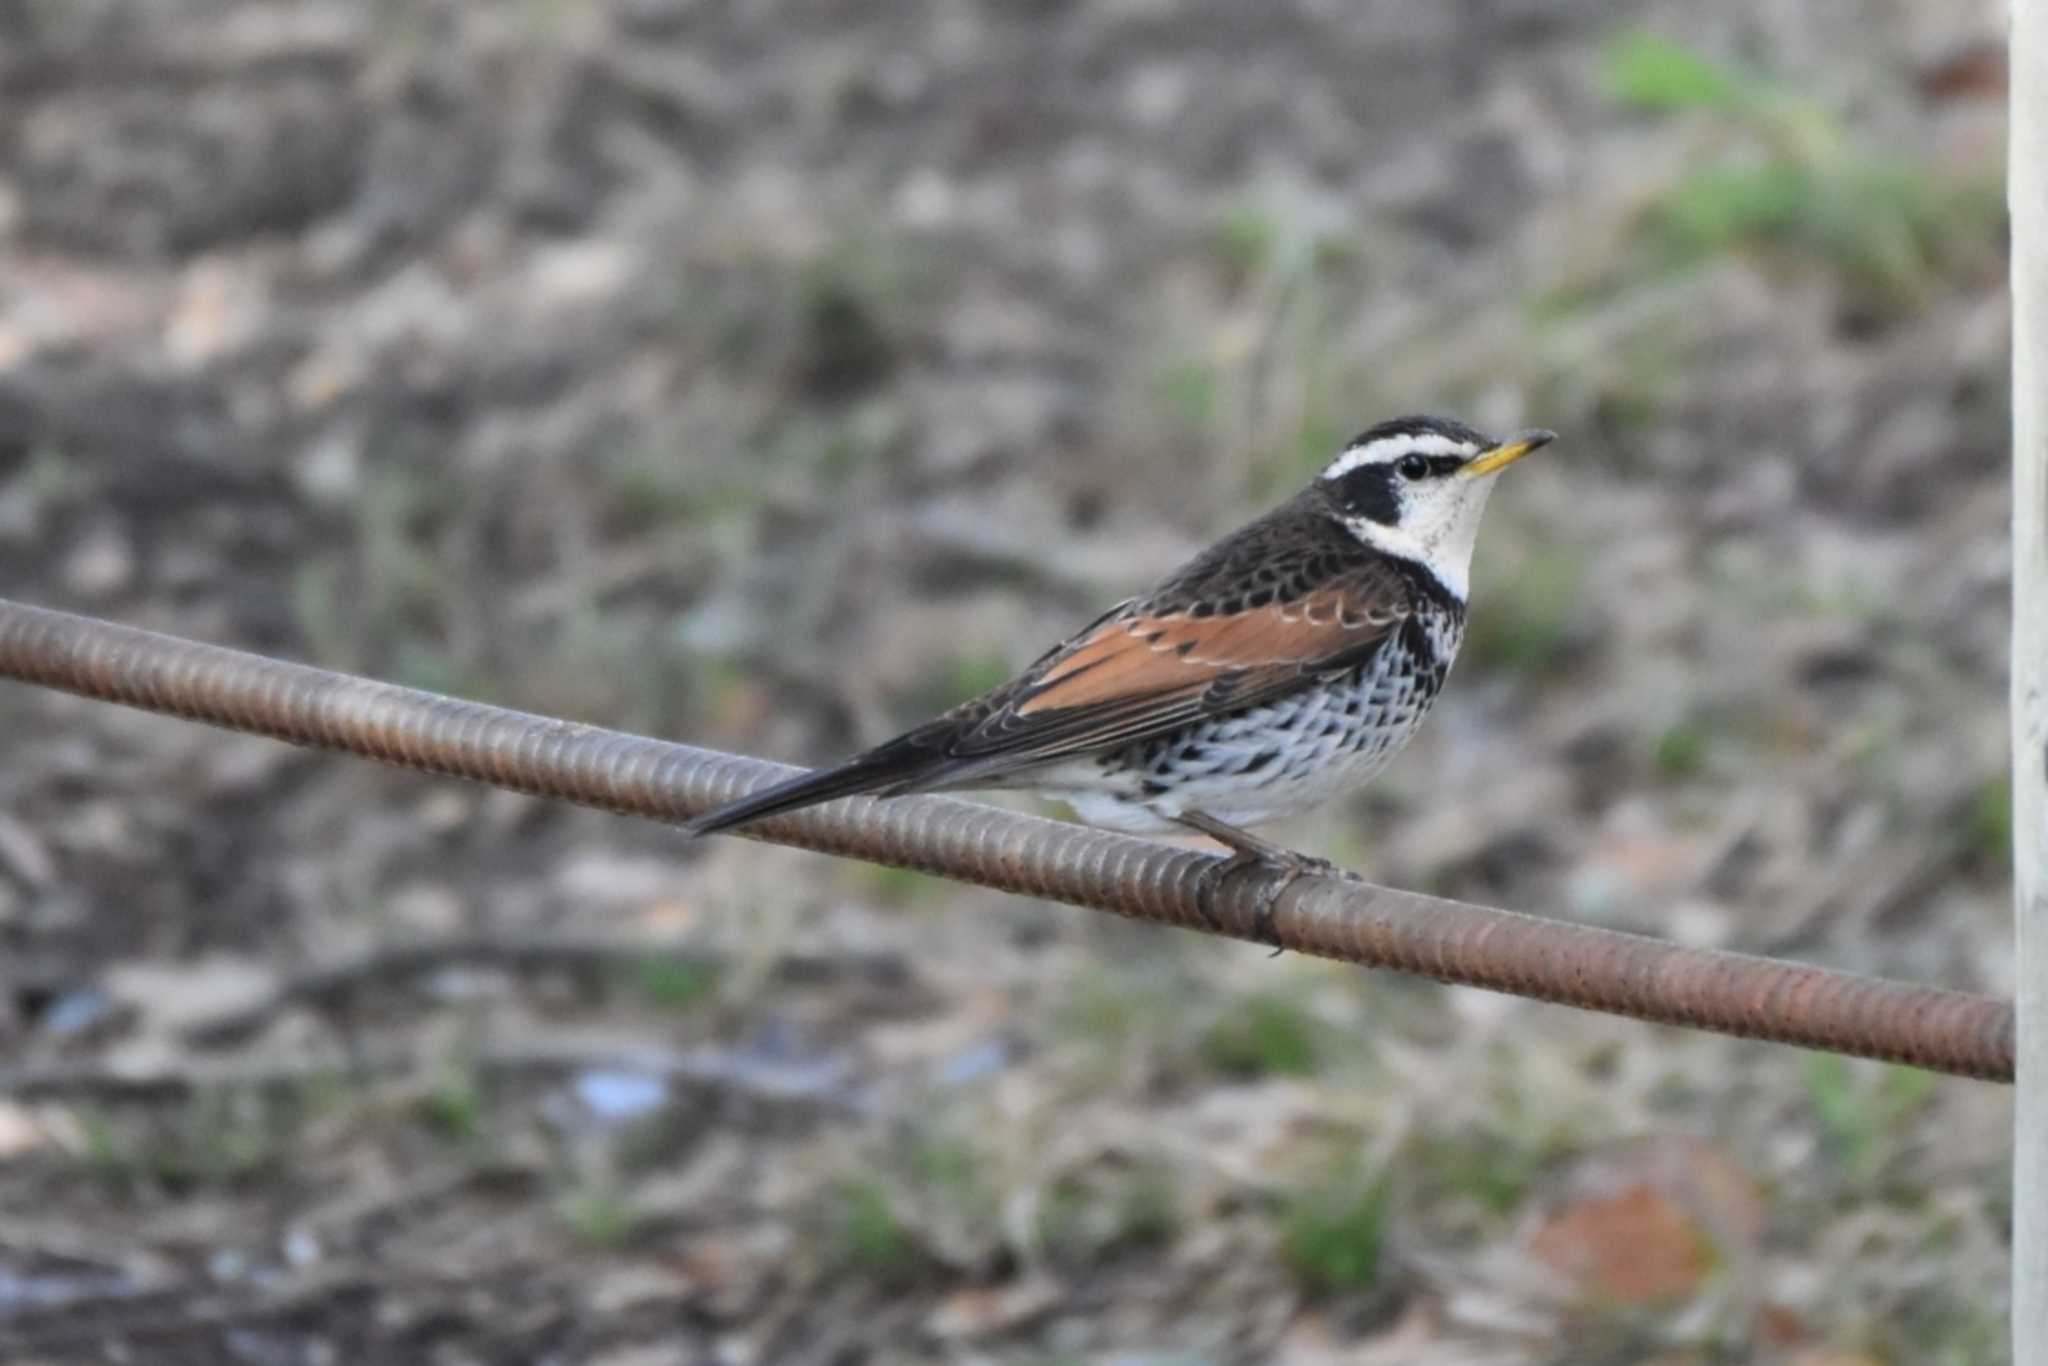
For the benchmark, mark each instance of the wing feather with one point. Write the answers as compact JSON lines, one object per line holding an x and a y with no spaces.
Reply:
{"x":1141,"y":672}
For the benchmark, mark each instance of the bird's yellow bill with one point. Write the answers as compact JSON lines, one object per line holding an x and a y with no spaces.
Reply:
{"x":1507,"y":452}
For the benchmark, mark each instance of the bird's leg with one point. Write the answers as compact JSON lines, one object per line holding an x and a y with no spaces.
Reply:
{"x":1250,"y":851}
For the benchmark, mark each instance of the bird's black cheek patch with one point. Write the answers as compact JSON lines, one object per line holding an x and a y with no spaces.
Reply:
{"x":1369,"y":492}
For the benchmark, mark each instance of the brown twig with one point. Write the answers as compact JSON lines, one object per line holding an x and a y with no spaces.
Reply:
{"x":1332,"y":917}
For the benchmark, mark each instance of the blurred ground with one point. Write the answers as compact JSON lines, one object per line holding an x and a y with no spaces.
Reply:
{"x":768,"y":375}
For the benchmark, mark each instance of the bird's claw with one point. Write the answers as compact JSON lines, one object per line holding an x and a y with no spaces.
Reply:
{"x":1291,"y":866}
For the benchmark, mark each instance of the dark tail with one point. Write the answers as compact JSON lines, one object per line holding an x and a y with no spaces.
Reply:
{"x":895,"y":767}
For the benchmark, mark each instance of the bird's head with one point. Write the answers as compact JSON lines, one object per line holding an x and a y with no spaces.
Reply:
{"x":1416,"y":486}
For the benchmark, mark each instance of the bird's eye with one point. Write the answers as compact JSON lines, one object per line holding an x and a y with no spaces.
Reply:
{"x":1413,"y":466}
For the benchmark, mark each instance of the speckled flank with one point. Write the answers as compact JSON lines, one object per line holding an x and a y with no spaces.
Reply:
{"x":1273,"y":760}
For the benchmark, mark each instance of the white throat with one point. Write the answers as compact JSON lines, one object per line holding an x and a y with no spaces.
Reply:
{"x":1440,"y":538}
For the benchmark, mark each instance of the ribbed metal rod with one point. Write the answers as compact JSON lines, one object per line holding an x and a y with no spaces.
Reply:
{"x":1343,"y":918}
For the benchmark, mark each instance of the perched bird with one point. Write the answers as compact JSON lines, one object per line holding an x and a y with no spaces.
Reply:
{"x":1285,"y":664}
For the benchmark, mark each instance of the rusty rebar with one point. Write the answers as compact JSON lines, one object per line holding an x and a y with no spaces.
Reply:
{"x":1333,"y":917}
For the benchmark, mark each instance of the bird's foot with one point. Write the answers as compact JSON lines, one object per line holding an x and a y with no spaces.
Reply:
{"x":1249,"y":852}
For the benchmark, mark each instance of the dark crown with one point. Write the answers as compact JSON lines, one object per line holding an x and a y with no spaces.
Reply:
{"x":1421,"y":424}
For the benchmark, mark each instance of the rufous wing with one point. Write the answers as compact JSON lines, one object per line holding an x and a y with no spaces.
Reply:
{"x":1140,"y":672}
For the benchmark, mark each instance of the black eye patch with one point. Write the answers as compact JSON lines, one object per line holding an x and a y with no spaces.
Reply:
{"x":1444,"y":464}
{"x":1368,"y":492}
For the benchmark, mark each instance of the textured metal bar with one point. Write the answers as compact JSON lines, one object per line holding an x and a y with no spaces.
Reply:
{"x":1334,"y":917}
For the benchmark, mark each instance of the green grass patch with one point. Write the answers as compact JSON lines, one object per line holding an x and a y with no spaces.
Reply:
{"x":1120,"y":1007}
{"x":1888,"y":227}
{"x":1647,"y":72}
{"x":1861,"y":1117}
{"x":948,"y":1167}
{"x":1334,"y":1235}
{"x":1493,"y":1171}
{"x":1130,"y":1025}
{"x":1789,"y":177}
{"x":930,"y":1189}
{"x":1191,"y":391}
{"x":1987,"y":824}
{"x":673,"y":983}
{"x":828,"y":451}
{"x":901,"y":886}
{"x":648,"y":487}
{"x":968,"y":673}
{"x":1248,"y":240}
{"x":454,"y":1108}
{"x":865,"y":1237}
{"x":1087,"y":1219}
{"x":1683,"y":750}
{"x":1525,"y":625}
{"x":1266,"y":1034}
{"x":1939,"y":1329}
{"x":220,"y":1136}
{"x":598,"y":1213}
